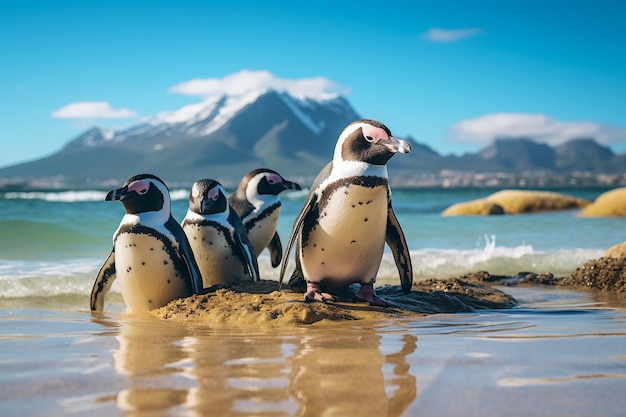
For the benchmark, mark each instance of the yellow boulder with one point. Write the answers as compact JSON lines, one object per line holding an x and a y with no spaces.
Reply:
{"x":609,"y":204}
{"x":528,"y":201}
{"x":516,"y":202}
{"x":480,"y":207}
{"x":616,"y":251}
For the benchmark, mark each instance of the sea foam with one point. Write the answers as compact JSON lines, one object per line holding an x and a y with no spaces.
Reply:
{"x":77,"y":196}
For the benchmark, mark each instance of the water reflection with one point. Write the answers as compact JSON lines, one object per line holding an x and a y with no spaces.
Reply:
{"x":345,"y":373}
{"x":151,"y":358}
{"x":299,"y":371}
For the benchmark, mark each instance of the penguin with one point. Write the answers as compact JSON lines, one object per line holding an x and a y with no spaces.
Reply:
{"x":341,"y":230}
{"x":217,"y":236}
{"x":151,"y":256}
{"x":257,"y":203}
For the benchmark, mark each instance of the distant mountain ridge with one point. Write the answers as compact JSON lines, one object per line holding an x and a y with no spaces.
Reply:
{"x":226,"y":137}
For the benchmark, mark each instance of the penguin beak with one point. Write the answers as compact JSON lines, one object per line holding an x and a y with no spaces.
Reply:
{"x":203,"y":204}
{"x":396,"y":145}
{"x":116,"y":195}
{"x":291,"y":185}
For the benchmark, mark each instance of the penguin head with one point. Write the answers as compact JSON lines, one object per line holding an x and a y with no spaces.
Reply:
{"x":142,"y":193}
{"x":368,"y":141}
{"x":264,"y":181}
{"x":207,"y":197}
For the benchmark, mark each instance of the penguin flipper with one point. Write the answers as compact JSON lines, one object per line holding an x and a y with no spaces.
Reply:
{"x":245,"y":246}
{"x":397,"y":243}
{"x":250,"y":256}
{"x":297,"y":279}
{"x":103,"y":283}
{"x":186,"y":253}
{"x":276,"y":250}
{"x":297,"y":228}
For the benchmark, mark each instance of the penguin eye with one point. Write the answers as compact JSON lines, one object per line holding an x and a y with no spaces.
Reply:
{"x":369,"y":139}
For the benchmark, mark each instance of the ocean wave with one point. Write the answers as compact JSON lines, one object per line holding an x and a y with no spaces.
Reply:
{"x":295,"y":194}
{"x":76,"y":196}
{"x":57,"y":196}
{"x":38,"y":278}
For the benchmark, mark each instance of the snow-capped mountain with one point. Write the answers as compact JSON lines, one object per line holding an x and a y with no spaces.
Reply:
{"x":220,"y":137}
{"x":200,"y":120}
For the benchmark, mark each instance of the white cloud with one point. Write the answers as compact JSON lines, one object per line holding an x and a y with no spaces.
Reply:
{"x":483,"y":130}
{"x":92,"y":110}
{"x":246,"y":81}
{"x":452,"y":35}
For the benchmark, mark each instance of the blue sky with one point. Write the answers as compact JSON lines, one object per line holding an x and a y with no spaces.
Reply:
{"x":451,"y":74}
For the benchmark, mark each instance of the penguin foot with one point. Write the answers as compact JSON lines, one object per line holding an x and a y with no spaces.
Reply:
{"x":367,"y":294}
{"x":314,"y":293}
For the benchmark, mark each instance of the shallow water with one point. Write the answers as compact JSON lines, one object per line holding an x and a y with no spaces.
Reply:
{"x":559,"y":353}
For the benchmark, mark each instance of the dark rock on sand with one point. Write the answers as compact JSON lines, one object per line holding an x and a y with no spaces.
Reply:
{"x":607,"y":273}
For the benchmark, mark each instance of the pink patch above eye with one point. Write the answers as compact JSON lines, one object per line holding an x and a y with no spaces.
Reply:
{"x":140,"y":187}
{"x":274,"y":179}
{"x":214,"y":193}
{"x":374,"y":132}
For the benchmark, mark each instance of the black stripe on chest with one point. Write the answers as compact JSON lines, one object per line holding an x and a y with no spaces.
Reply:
{"x":267,"y":212}
{"x":179,"y":264}
{"x":332,"y":188}
{"x":225,"y":231}
{"x":319,"y":210}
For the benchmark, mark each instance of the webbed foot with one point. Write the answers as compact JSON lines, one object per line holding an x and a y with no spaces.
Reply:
{"x":367,"y":294}
{"x":314,"y":293}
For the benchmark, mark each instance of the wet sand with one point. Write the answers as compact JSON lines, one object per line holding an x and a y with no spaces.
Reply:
{"x":475,"y":345}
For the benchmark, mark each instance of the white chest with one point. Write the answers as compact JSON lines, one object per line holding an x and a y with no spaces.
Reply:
{"x":347,"y":244}
{"x":146,"y":273}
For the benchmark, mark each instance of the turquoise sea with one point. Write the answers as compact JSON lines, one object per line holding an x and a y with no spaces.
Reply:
{"x":559,"y":353}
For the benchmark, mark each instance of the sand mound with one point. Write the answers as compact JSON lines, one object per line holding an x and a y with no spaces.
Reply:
{"x":516,"y":202}
{"x":262,"y":304}
{"x":610,"y":203}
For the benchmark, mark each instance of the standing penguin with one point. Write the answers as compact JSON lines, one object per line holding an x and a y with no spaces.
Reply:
{"x":257,"y":203}
{"x":347,"y":218}
{"x":217,"y":236}
{"x":151,"y":256}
